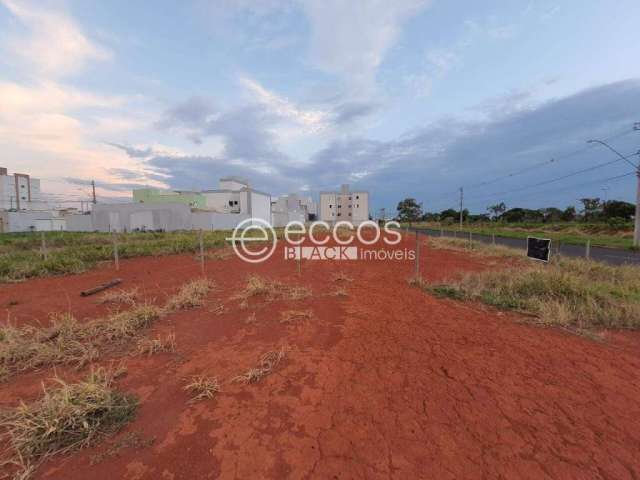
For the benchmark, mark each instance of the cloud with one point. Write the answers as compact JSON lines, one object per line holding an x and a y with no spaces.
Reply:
{"x":55,"y":46}
{"x":351,"y":39}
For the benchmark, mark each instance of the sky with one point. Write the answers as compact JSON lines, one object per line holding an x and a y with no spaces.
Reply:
{"x":403,"y":98}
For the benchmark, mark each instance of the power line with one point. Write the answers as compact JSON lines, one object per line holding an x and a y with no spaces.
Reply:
{"x":552,"y":160}
{"x":552,"y":180}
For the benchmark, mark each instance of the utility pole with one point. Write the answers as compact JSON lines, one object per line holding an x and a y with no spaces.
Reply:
{"x":461,"y":196}
{"x":636,"y":229}
{"x":93,"y":189}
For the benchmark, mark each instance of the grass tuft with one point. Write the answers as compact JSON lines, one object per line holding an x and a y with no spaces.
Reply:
{"x":290,"y":316}
{"x":258,"y":286}
{"x":268,"y":362}
{"x":67,"y":418}
{"x":120,"y":297}
{"x":202,"y":387}
{"x":190,"y":295}
{"x":149,"y":346}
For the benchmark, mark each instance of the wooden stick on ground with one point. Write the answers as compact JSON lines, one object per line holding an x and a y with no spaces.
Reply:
{"x":99,"y":288}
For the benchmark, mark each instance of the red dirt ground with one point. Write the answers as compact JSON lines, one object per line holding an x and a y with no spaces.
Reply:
{"x":387,"y":382}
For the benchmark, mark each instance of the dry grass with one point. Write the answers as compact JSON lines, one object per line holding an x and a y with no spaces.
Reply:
{"x":190,"y":295}
{"x":568,"y":292}
{"x":339,"y":292}
{"x":202,"y":387}
{"x":480,"y":248}
{"x":150,"y":346}
{"x":120,"y":297}
{"x":64,"y":419}
{"x":290,"y":316}
{"x":68,"y":342}
{"x":341,"y":277}
{"x":268,"y":362}
{"x":258,"y":286}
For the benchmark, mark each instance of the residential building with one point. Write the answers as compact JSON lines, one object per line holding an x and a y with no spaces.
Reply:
{"x":20,"y":192}
{"x":344,"y":205}
{"x":288,"y":208}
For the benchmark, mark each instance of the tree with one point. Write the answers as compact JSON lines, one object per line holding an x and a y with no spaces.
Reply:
{"x":591,"y":207}
{"x":569,"y":214}
{"x":409,"y":210}
{"x":551,"y":214}
{"x":619,"y":209}
{"x":497,"y":209}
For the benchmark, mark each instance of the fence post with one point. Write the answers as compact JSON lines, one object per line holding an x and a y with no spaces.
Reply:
{"x":558,"y":251}
{"x":43,"y":246}
{"x":587,"y":252}
{"x":455,"y":234}
{"x":493,"y":239}
{"x":116,"y":258}
{"x":417,"y":254}
{"x":201,"y":235}
{"x":470,"y":240}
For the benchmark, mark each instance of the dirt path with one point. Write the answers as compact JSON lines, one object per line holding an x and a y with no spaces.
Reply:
{"x":387,"y":382}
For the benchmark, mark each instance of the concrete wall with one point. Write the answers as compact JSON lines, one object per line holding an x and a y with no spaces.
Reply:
{"x":29,"y":221}
{"x":79,"y":223}
{"x":128,"y":216}
{"x":216,"y":221}
{"x":260,"y":205}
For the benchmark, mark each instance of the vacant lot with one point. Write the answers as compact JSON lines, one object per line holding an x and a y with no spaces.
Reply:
{"x":344,"y":371}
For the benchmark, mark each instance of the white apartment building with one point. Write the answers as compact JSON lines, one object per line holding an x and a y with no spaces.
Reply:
{"x":344,"y":205}
{"x":292,"y":207}
{"x":235,"y":195}
{"x":20,"y":192}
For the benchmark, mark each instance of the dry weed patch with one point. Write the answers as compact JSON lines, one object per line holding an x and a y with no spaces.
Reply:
{"x":268,"y":362}
{"x":258,"y":286}
{"x":202,"y":387}
{"x":290,"y":316}
{"x":190,"y":295}
{"x":569,"y":292}
{"x":341,"y":277}
{"x":120,"y":297}
{"x":69,"y":417}
{"x":148,"y":346}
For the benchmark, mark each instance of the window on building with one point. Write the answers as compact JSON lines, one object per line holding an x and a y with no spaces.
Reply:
{"x":339,"y":206}
{"x":357,"y":197}
{"x":349,"y":198}
{"x":21,"y":186}
{"x":358,"y":205}
{"x":231,"y":203}
{"x":349,"y":213}
{"x":23,"y":198}
{"x":235,"y":202}
{"x":339,"y":214}
{"x":330,"y":206}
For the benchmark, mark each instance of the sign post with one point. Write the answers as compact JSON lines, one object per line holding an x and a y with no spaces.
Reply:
{"x":539,"y":249}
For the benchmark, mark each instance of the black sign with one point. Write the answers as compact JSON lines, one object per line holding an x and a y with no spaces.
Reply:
{"x":539,"y":248}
